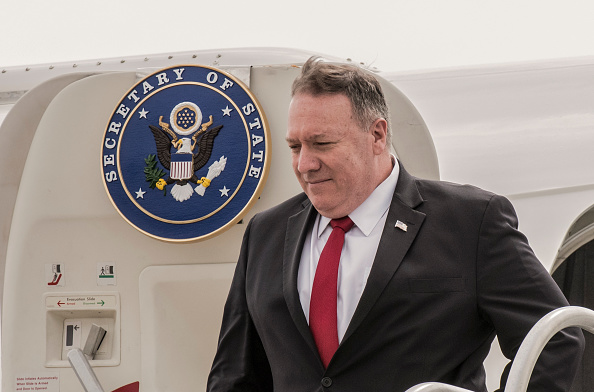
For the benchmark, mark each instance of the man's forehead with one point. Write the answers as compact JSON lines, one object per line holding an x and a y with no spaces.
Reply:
{"x":328,"y":107}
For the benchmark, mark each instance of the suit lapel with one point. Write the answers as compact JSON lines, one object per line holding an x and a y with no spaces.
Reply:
{"x":297,"y":228}
{"x":393,"y":246}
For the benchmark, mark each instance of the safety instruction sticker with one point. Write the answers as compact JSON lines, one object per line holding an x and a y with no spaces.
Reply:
{"x":46,"y":382}
{"x":106,"y":274}
{"x":80,"y":301}
{"x":54,"y":274}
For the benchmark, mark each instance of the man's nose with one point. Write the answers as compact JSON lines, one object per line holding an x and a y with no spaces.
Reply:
{"x":307,"y":161}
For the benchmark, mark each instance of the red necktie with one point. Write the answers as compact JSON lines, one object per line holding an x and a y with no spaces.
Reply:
{"x":322,"y":307}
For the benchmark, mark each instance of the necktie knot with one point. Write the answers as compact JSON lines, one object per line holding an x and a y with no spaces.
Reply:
{"x":344,"y":223}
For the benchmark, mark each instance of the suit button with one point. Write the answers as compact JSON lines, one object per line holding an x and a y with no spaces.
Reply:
{"x":326,"y":382}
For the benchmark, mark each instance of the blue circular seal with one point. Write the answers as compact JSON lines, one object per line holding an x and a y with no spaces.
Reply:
{"x":185,"y":153}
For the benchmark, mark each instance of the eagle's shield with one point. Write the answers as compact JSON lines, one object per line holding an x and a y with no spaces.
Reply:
{"x":182,"y":166}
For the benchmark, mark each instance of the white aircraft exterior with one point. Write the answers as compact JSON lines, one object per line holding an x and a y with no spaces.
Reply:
{"x":522,"y":130}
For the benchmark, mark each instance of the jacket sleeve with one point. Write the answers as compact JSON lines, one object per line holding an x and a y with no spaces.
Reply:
{"x":240,"y":363}
{"x":515,"y":291}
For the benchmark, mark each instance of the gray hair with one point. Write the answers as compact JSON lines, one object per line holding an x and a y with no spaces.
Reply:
{"x":360,"y":87}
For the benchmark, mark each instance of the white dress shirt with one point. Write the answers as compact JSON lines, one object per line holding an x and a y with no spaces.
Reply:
{"x":358,"y":252}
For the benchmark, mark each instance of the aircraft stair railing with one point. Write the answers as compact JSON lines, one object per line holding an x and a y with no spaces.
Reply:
{"x":530,"y":349}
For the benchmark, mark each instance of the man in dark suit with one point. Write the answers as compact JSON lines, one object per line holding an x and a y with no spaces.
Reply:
{"x":412,"y":288}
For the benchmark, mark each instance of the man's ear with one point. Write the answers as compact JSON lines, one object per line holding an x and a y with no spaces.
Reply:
{"x":379,"y":131}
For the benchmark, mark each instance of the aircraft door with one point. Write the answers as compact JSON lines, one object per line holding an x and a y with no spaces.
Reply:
{"x":76,"y":266}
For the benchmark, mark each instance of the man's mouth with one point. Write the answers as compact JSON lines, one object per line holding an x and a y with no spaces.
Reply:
{"x":315,"y":182}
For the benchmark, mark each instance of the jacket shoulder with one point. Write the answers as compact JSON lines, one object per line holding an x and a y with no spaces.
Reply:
{"x":449,"y":190}
{"x":285,"y":209}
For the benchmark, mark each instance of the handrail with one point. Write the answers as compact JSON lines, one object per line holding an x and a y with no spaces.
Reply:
{"x":436,"y":387}
{"x":530,"y":349}
{"x":539,"y":336}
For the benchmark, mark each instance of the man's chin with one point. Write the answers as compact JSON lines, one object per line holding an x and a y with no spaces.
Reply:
{"x":328,"y":209}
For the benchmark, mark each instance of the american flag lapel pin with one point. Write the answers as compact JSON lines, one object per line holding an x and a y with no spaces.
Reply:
{"x":401,"y":225}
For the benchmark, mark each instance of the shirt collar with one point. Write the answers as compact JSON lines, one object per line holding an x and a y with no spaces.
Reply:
{"x":368,"y":214}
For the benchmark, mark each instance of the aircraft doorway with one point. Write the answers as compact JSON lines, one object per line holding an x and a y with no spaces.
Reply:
{"x":574,"y":273}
